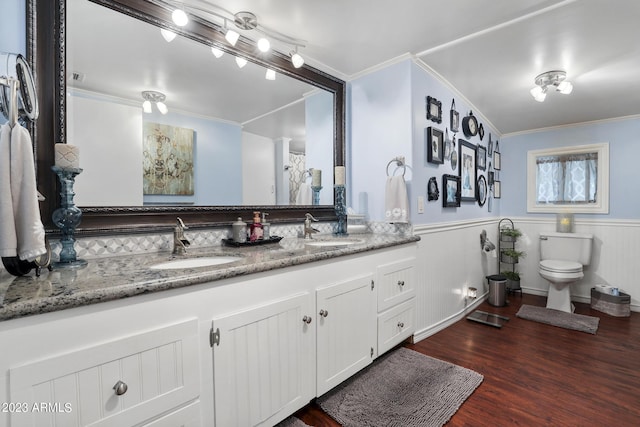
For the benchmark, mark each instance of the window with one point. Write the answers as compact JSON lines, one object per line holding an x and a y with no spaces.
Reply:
{"x":574,"y":179}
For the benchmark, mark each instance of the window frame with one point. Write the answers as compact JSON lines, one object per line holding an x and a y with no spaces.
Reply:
{"x":602,"y":196}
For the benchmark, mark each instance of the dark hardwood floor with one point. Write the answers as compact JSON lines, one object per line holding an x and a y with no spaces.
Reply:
{"x":536,"y":374}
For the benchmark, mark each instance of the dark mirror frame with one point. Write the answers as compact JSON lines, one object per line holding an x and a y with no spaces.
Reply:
{"x":46,"y":52}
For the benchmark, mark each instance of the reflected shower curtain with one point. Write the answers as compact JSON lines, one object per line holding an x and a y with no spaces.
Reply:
{"x":296,"y":171}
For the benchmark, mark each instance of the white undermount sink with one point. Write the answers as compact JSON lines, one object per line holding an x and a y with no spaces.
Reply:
{"x":194,"y":262}
{"x":332,"y":242}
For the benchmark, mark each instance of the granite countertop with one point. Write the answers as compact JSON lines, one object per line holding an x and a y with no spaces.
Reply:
{"x":111,"y":278}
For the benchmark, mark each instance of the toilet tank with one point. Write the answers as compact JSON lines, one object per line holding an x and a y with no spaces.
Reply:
{"x":566,"y":247}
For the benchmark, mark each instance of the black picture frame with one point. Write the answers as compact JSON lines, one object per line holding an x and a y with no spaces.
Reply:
{"x":454,"y":118}
{"x":467,"y":171}
{"x":497,"y":189}
{"x":490,"y":178}
{"x":481,"y":131}
{"x":435,"y":145}
{"x":490,"y":146}
{"x":434,"y":110}
{"x":497,"y":160}
{"x":482,"y":190}
{"x":482,"y":158}
{"x":432,"y":189}
{"x":451,"y":191}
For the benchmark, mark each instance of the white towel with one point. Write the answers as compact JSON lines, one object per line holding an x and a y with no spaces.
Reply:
{"x":396,"y":204}
{"x":304,"y":194}
{"x":22,"y":228}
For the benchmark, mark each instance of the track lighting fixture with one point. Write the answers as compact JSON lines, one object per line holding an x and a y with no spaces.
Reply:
{"x":554,"y":79}
{"x":243,"y":21}
{"x":158,"y":98}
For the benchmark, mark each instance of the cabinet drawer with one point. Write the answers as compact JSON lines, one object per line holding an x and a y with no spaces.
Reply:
{"x":396,"y":283}
{"x":189,"y":416}
{"x":396,"y":325}
{"x":159,"y":368}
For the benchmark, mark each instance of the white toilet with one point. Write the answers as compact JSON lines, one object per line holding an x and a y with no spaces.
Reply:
{"x":562,"y":256}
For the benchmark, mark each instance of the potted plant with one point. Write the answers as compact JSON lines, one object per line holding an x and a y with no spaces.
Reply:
{"x":513,"y":280}
{"x":510,"y":256}
{"x":510,"y":234}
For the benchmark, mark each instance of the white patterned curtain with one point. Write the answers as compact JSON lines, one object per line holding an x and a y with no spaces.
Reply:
{"x":296,"y":175}
{"x":567,"y":179}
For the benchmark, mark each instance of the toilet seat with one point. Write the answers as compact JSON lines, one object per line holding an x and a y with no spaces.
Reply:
{"x":557,"y":266}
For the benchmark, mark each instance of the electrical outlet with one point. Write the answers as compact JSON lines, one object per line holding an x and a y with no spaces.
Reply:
{"x":420,"y":204}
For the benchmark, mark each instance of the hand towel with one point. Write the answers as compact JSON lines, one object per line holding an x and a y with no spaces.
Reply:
{"x":396,"y":205}
{"x":8,"y":238}
{"x":304,"y":194}
{"x":24,"y":197}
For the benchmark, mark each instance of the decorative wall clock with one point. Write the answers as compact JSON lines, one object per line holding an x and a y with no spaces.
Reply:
{"x":470,"y":125}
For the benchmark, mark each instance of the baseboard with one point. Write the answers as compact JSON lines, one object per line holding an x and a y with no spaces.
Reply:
{"x":437,"y":327}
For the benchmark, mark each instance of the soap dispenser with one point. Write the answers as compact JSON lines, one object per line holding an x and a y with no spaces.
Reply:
{"x":256,"y":232}
{"x":266,"y":227}
{"x":239,"y":231}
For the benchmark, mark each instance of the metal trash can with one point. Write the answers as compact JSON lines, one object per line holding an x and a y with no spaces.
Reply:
{"x":497,"y":290}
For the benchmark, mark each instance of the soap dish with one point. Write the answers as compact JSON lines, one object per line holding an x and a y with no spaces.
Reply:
{"x":273,"y":239}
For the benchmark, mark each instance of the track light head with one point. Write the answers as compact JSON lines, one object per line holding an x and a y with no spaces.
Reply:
{"x":180,"y":17}
{"x":555,"y":79}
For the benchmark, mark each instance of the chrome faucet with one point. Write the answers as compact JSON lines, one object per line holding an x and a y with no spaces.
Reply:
{"x":308,"y":229}
{"x":180,"y":242}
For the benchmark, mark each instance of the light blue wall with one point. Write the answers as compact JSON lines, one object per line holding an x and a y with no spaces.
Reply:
{"x":388,"y":119}
{"x":12,"y":27}
{"x":217,"y":156}
{"x":624,"y":152}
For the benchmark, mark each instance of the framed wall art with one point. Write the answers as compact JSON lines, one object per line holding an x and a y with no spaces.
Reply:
{"x":434,"y":110}
{"x":497,"y":159}
{"x":454,"y":118}
{"x":490,"y":147}
{"x":467,"y":165}
{"x":497,"y":189}
{"x":451,"y":189}
{"x":432,"y":189}
{"x":482,"y":157}
{"x":435,"y":145}
{"x":482,"y":190}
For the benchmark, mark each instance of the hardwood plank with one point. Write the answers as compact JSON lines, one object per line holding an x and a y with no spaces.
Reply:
{"x":536,"y":374}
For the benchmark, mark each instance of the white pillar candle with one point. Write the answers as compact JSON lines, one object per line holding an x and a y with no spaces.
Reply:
{"x":339,"y":175}
{"x":67,"y":156}
{"x":316,"y":178}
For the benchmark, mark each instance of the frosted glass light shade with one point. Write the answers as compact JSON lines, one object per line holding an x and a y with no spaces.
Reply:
{"x":146,"y":107}
{"x":162,"y":107}
{"x":270,"y":75}
{"x":232,"y":37}
{"x":538,"y":93}
{"x":297,"y":60}
{"x":565,"y":87}
{"x":216,"y":52}
{"x":241,"y":62}
{"x":168,"y":35}
{"x":264,"y":45}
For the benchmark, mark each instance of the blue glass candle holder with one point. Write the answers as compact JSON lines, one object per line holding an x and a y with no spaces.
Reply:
{"x":316,"y":195}
{"x":67,"y":217}
{"x":341,"y":210}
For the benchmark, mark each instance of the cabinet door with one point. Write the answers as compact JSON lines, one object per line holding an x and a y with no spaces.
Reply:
{"x":264,"y":362}
{"x":159,"y":369}
{"x":346,"y":330}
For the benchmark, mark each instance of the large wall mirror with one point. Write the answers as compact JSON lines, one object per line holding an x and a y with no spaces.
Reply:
{"x":232,"y":141}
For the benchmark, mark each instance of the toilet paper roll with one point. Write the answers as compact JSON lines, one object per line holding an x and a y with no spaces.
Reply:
{"x":67,"y":156}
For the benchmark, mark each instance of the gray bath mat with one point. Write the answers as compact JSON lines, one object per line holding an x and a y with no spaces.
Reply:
{"x":404,"y":388}
{"x":578,"y":322}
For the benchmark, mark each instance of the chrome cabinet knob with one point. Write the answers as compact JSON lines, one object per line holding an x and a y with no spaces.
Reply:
{"x":400,"y":325}
{"x":120,"y":388}
{"x":306,"y":319}
{"x":323,"y":313}
{"x":400,"y":282}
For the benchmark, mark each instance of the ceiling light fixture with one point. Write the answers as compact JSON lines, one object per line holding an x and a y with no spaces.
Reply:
{"x":241,"y":62}
{"x":554,"y":79}
{"x":246,"y":22}
{"x":158,"y":98}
